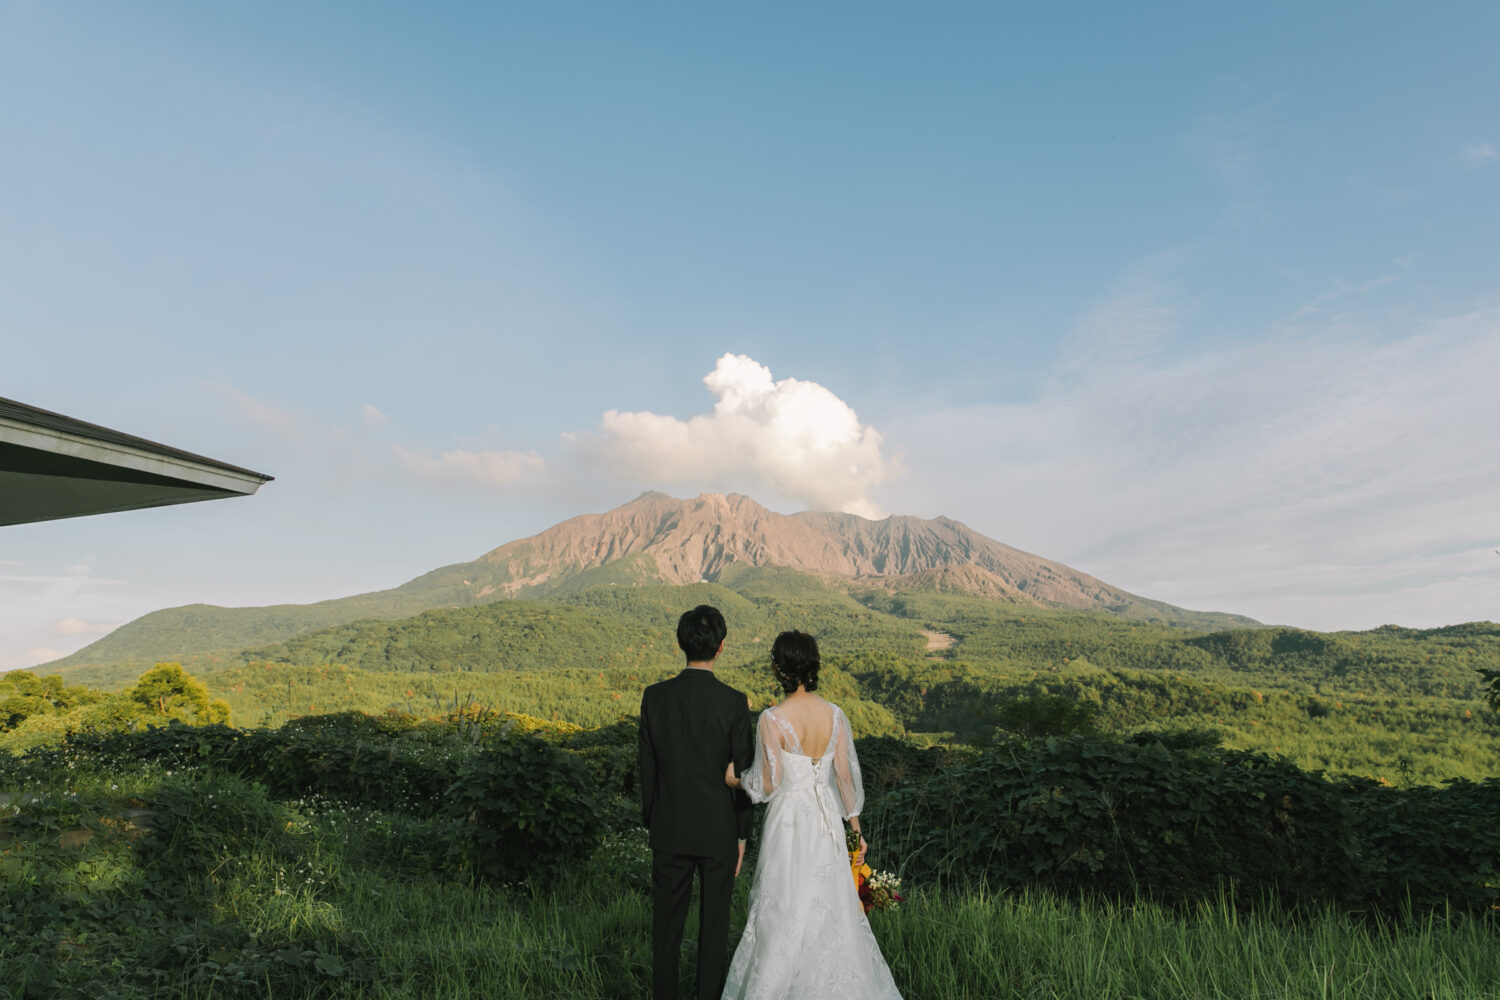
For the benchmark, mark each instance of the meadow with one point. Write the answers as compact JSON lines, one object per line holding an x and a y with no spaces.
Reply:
{"x":326,"y":858}
{"x":444,"y":805}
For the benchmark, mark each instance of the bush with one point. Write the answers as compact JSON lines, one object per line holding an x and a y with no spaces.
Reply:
{"x":1086,"y":814}
{"x":534,"y":810}
{"x":1169,"y":816}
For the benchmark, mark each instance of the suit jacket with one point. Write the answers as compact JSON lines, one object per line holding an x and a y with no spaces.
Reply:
{"x":692,"y":725}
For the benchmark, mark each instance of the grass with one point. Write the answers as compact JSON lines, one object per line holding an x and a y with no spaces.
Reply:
{"x":1037,"y":946}
{"x":233,"y":894}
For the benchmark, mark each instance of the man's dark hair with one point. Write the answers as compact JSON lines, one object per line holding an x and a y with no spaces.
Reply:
{"x":795,"y":661}
{"x":700,"y":632}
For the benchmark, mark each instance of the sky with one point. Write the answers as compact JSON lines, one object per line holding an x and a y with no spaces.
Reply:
{"x":1201,"y":299}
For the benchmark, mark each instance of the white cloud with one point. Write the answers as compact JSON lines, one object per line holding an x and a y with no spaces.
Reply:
{"x":1331,"y":477}
{"x":483,"y":468}
{"x":1228,"y":147}
{"x":75,"y":626}
{"x":1478,"y":154}
{"x":1131,"y":323}
{"x":373,"y":417}
{"x":794,"y":437}
{"x":1342,"y":292}
{"x":41,"y":654}
{"x":256,"y":411}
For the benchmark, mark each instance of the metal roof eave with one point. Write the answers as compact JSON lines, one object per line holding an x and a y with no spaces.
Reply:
{"x":52,"y":466}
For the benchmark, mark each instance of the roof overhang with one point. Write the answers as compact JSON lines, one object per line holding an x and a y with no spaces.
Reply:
{"x":52,"y":466}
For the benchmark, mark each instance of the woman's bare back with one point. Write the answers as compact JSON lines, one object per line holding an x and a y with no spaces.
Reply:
{"x":811,"y":718}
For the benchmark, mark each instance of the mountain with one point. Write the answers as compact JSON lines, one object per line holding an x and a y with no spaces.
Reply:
{"x":659,"y":539}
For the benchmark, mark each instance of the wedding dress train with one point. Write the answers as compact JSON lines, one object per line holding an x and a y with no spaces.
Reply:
{"x":806,"y":934}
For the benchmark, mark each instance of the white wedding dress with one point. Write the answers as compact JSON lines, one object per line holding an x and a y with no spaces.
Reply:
{"x":806,"y":934}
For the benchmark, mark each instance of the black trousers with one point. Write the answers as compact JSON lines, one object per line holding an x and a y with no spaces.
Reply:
{"x":671,"y":890}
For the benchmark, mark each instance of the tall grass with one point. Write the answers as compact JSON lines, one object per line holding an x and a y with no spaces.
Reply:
{"x":1034,"y":945}
{"x":233,"y":894}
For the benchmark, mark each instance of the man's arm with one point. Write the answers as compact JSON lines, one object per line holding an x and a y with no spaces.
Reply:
{"x":646,"y":760}
{"x":742,"y":749}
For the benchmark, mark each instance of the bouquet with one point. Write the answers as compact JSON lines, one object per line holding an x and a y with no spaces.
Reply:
{"x":877,"y":890}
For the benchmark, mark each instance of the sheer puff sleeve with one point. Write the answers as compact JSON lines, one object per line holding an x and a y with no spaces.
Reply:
{"x":844,"y":774}
{"x":765,"y":774}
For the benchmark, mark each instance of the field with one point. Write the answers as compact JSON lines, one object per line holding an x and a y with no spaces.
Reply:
{"x":187,"y":862}
{"x":444,"y":805}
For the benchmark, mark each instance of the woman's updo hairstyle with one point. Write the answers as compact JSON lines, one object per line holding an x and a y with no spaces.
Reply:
{"x":794,"y":661}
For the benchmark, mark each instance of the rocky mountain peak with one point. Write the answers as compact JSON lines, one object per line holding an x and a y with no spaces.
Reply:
{"x":674,"y":541}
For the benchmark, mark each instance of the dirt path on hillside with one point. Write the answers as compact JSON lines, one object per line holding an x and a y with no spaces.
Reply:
{"x":938,"y":641}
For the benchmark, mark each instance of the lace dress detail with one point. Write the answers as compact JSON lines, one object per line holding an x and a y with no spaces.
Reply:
{"x":806,"y":935}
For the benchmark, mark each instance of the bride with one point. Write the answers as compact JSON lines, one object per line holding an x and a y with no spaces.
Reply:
{"x":806,"y":934}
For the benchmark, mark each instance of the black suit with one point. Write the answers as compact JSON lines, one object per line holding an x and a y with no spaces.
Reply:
{"x":692,"y":726}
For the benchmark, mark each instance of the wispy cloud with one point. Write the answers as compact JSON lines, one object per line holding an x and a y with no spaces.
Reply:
{"x":75,"y":626}
{"x":1324,"y":477}
{"x":257,"y":411}
{"x":73,"y":578}
{"x":1478,"y":154}
{"x":794,"y":437}
{"x":52,"y":610}
{"x":1137,"y":315}
{"x":1342,"y":292}
{"x":373,"y":417}
{"x":479,"y":468}
{"x":1229,"y":147}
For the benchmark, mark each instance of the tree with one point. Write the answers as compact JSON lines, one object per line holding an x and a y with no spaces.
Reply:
{"x":1045,"y":715}
{"x":167,"y":691}
{"x":23,"y":694}
{"x":1492,"y":680}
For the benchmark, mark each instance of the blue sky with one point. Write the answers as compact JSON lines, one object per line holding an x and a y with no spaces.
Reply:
{"x":1205,"y":302}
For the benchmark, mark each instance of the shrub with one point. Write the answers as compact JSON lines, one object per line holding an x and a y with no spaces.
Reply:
{"x":533,"y":810}
{"x":1086,"y":814}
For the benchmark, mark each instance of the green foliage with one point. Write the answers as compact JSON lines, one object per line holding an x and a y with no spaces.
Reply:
{"x":1428,"y":846}
{"x":337,"y":857}
{"x":1491,"y":680}
{"x":204,"y":632}
{"x":511,"y":805}
{"x":1085,"y":814}
{"x":43,"y":712}
{"x":166,"y":692}
{"x":1045,"y":715}
{"x":23,"y":695}
{"x":1400,"y":704}
{"x":534,"y":810}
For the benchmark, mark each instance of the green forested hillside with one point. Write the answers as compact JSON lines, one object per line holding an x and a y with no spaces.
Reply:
{"x":654,"y":540}
{"x":603,"y":627}
{"x":1392,"y":703}
{"x":1442,"y":662}
{"x":205,"y":633}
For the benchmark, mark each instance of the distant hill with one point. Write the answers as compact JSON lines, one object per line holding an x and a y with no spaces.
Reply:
{"x":1347,"y":702}
{"x":656,"y":540}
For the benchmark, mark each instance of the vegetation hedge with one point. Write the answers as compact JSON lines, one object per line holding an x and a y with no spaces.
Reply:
{"x":1155,"y":816}
{"x":521,"y":808}
{"x":1086,"y":814}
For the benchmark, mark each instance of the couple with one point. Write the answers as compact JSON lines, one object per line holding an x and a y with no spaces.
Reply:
{"x":806,"y":934}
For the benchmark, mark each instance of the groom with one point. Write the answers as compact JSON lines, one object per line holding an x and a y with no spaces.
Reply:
{"x":692,"y":726}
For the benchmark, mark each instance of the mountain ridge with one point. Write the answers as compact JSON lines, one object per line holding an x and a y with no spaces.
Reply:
{"x":659,"y":539}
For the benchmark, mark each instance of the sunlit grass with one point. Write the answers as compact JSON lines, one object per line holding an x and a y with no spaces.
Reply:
{"x":1033,"y":945}
{"x":234,"y":894}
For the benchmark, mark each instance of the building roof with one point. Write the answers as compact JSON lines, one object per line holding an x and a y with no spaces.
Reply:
{"x":54,"y":466}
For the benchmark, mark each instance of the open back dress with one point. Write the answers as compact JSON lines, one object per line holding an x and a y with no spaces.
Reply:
{"x":806,"y":934}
